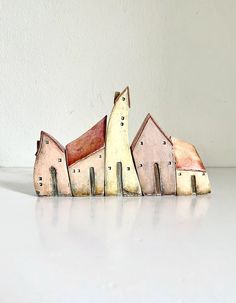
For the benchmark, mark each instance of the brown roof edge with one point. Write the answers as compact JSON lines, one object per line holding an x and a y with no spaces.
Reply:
{"x":118,"y":95}
{"x":149,"y":116}
{"x":42,"y":135}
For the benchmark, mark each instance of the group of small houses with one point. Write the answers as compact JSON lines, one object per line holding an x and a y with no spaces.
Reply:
{"x":101,"y":162}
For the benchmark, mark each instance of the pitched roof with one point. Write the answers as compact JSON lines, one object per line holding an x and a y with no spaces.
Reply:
{"x":44,"y":134}
{"x":88,"y":143}
{"x":142,"y":127}
{"x":118,"y":95}
{"x":186,"y":156}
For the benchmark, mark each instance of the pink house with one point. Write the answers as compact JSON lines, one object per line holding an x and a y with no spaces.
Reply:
{"x":154,"y":160}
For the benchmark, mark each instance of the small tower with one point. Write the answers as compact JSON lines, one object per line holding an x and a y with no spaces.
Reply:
{"x":120,"y":174}
{"x":50,"y":169}
{"x":85,"y":158}
{"x":191,"y":174}
{"x":154,"y":160}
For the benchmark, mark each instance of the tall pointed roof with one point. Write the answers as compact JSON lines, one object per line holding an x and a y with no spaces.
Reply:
{"x":142,"y":127}
{"x":118,"y":95}
{"x":44,"y":134}
{"x":186,"y":156}
{"x":88,"y":143}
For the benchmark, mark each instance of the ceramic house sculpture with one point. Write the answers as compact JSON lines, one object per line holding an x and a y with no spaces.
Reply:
{"x":154,"y":159}
{"x":85,"y":159}
{"x":191,"y":174}
{"x":50,"y":170}
{"x":120,"y":174}
{"x":101,"y":162}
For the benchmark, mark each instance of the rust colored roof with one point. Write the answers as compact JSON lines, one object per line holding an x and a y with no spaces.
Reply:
{"x":118,"y":95}
{"x":42,"y":136}
{"x":142,"y":127}
{"x":88,"y":143}
{"x":186,"y":156}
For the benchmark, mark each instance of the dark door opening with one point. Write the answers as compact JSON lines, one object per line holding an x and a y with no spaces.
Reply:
{"x":53,"y":173}
{"x":119,"y":178}
{"x":158,"y":190}
{"x":193,"y":184}
{"x":92,"y":181}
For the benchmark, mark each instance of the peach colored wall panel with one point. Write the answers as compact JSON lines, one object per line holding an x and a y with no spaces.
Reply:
{"x":50,"y":170}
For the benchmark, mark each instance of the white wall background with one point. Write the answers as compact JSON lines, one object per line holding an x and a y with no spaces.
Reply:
{"x":62,"y":60}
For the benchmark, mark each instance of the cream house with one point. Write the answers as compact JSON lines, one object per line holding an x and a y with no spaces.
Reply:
{"x":120,"y":173}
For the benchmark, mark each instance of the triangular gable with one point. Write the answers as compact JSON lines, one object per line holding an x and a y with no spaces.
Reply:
{"x":39,"y":143}
{"x":142,"y":127}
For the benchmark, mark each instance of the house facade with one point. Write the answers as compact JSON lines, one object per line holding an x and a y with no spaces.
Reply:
{"x":50,"y":170}
{"x":120,"y":173}
{"x":85,"y":159}
{"x":154,"y":159}
{"x":191,"y":174}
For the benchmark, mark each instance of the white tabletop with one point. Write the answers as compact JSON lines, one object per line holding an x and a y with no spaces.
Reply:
{"x":149,"y":250}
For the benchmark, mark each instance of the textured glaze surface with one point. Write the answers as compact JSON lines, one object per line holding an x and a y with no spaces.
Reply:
{"x":118,"y":150}
{"x":151,"y":146}
{"x":186,"y":156}
{"x":80,"y":177}
{"x":107,"y":249}
{"x":184,"y":184}
{"x":88,"y":143}
{"x":50,"y":154}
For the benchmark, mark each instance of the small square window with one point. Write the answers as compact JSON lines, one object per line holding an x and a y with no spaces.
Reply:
{"x":164,"y":142}
{"x":123,"y":98}
{"x":122,"y":124}
{"x":141,"y":165}
{"x":73,"y":170}
{"x":128,"y":168}
{"x":46,"y":142}
{"x":180,"y":174}
{"x":203,"y":174}
{"x":141,"y":142}
{"x":169,"y":163}
{"x":59,"y":159}
{"x":40,"y":178}
{"x":109,"y":167}
{"x":100,"y":156}
{"x":40,"y":184}
{"x":122,"y":118}
{"x":78,"y":170}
